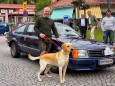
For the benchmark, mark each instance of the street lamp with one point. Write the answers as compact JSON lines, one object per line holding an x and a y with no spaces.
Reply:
{"x":78,"y":4}
{"x":108,"y":4}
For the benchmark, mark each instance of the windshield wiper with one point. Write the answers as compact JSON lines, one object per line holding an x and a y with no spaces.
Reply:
{"x":70,"y":35}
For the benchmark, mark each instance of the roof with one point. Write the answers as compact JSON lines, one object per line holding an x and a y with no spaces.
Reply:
{"x":61,"y":3}
{"x":16,"y":6}
{"x":64,"y":3}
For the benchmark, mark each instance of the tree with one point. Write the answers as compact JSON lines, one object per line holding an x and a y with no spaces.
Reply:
{"x":14,"y":1}
{"x":41,"y":4}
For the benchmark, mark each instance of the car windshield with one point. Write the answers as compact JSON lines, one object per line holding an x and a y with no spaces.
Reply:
{"x":65,"y":30}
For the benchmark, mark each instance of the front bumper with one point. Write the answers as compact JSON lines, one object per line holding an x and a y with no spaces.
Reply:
{"x":88,"y":64}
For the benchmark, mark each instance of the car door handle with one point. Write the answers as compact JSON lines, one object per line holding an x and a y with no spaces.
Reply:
{"x":24,"y":38}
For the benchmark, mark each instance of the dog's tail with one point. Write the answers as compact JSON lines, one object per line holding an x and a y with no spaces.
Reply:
{"x":32,"y":57}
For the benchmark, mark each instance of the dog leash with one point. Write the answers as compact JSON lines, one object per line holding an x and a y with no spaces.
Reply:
{"x":53,"y":42}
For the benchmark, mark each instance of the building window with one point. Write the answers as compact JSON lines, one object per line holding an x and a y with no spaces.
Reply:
{"x":3,"y":10}
{"x":10,"y":11}
{"x":1,"y":19}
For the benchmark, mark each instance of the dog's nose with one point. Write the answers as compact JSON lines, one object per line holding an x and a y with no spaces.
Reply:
{"x":72,"y":49}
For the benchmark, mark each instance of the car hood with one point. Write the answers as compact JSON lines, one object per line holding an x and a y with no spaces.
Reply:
{"x":79,"y":43}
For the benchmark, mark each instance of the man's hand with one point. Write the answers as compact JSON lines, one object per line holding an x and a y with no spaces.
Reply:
{"x":42,"y":35}
{"x":58,"y":39}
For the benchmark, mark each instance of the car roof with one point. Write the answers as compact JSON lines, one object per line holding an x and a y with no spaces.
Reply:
{"x":34,"y":22}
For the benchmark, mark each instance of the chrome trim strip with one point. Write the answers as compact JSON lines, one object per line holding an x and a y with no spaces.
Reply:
{"x":28,"y":47}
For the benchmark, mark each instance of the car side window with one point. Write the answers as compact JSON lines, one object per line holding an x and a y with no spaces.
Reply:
{"x":30,"y":30}
{"x":20,"y":30}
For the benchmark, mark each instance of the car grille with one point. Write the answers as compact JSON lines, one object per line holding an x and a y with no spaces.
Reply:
{"x":96,"y":53}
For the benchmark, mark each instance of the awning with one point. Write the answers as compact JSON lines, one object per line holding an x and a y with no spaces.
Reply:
{"x":59,"y":13}
{"x":94,"y":10}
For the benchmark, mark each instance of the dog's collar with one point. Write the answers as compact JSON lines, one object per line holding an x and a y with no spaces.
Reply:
{"x":65,"y":53}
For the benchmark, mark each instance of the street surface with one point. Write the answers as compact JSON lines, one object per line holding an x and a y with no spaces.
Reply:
{"x":23,"y":72}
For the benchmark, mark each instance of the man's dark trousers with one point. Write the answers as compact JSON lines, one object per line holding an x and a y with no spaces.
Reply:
{"x":83,"y":31}
{"x":110,"y":34}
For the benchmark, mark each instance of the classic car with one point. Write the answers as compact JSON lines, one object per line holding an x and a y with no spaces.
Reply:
{"x":88,"y":54}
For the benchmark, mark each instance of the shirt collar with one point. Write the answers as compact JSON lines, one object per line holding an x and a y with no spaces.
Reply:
{"x":45,"y":17}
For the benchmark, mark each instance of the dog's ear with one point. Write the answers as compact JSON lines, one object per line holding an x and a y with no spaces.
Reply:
{"x":63,"y":47}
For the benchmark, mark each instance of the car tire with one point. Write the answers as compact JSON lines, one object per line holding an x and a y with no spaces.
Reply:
{"x":14,"y":50}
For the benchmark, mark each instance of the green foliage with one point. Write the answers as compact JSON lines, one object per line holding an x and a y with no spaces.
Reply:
{"x":14,"y":1}
{"x":98,"y":35}
{"x":41,"y":4}
{"x":3,"y":1}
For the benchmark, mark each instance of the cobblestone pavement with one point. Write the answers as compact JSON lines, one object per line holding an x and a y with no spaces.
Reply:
{"x":22,"y":72}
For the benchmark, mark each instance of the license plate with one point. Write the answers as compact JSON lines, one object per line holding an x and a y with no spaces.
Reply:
{"x":105,"y":61}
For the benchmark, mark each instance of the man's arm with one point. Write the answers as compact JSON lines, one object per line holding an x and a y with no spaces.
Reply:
{"x":55,"y":30}
{"x":102,"y":24}
{"x":114,"y":23}
{"x":96,"y":21}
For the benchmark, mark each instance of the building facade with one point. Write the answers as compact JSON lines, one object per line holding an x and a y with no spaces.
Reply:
{"x":15,"y":13}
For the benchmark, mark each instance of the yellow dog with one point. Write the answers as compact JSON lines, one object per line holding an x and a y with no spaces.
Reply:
{"x":59,"y":59}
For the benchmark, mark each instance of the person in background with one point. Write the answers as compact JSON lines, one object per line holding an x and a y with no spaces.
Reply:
{"x":82,"y":23}
{"x":44,"y":26}
{"x":108,"y":27}
{"x":92,"y":21}
{"x":71,"y":24}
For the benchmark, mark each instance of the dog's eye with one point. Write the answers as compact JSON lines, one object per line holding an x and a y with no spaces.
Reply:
{"x":68,"y":46}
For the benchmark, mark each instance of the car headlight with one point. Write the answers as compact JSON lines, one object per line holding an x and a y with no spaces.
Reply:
{"x":79,"y":53}
{"x":82,"y":53}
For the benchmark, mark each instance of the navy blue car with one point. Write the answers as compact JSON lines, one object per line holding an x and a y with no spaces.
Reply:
{"x":4,"y":27}
{"x":87,"y":55}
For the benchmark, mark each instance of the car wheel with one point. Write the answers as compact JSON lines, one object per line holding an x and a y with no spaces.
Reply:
{"x":54,"y":69}
{"x":14,"y":50}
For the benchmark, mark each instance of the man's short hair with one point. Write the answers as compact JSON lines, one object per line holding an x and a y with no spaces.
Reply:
{"x":108,"y":11}
{"x":88,"y":11}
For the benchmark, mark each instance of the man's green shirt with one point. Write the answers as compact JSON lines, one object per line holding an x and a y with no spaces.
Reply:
{"x":45,"y":26}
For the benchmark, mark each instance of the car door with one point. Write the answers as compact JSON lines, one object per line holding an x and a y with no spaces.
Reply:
{"x":19,"y":37}
{"x":31,"y":40}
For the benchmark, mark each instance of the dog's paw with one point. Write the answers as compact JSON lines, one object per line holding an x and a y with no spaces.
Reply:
{"x":49,"y":76}
{"x":40,"y":80}
{"x":62,"y":82}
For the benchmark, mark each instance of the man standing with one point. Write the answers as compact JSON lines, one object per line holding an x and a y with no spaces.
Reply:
{"x":83,"y":25}
{"x":44,"y":27}
{"x":108,"y":26}
{"x":92,"y":24}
